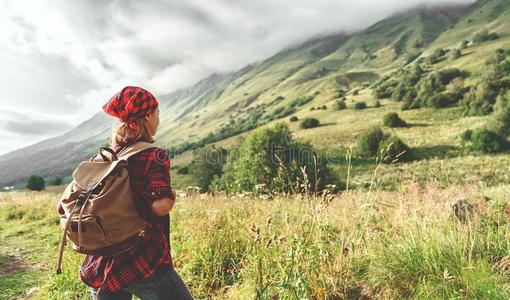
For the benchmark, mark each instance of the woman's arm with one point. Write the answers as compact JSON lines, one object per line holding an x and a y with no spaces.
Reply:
{"x":161,"y":207}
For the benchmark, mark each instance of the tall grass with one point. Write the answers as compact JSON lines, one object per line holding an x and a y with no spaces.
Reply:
{"x":391,"y":245}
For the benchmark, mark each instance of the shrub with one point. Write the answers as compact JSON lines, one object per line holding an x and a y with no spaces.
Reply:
{"x":484,"y":35}
{"x":368,"y":143}
{"x":466,"y":135}
{"x":487,"y":141}
{"x":455,"y":54}
{"x":271,"y":157}
{"x":35,"y":183}
{"x":294,"y":119}
{"x":207,"y":164}
{"x":183,"y":170}
{"x":360,"y":105}
{"x":277,"y":111}
{"x":56,"y":181}
{"x":500,"y":119}
{"x":493,"y":80}
{"x":406,"y":105}
{"x":393,"y":149}
{"x":309,"y":123}
{"x":393,"y":120}
{"x":324,"y":107}
{"x":340,"y":93}
{"x":439,"y":52}
{"x":432,"y":60}
{"x":340,"y":105}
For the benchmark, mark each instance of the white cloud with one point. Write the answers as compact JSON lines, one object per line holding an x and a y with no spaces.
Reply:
{"x":66,"y":58}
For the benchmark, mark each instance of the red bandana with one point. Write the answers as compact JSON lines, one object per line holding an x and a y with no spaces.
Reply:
{"x":130,"y":104}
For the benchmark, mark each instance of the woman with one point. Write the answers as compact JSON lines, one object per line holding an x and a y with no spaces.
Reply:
{"x":145,"y":270}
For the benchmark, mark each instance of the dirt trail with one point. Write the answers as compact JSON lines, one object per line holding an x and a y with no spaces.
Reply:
{"x":12,"y":263}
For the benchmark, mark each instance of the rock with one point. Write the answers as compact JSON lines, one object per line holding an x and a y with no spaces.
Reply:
{"x":463,"y":210}
{"x":32,"y":291}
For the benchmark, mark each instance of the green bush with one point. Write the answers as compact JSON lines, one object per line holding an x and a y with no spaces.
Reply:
{"x":375,"y":143}
{"x":494,"y":80}
{"x":377,"y":104}
{"x":207,"y":163}
{"x":183,"y":170}
{"x":272,"y":158}
{"x":56,"y":181}
{"x":393,"y":120}
{"x":487,"y":141}
{"x":455,"y":54}
{"x":466,"y":135}
{"x":392,"y":149}
{"x":360,"y":105}
{"x":340,"y":93}
{"x":294,"y":119}
{"x":406,"y":105}
{"x":484,"y":35}
{"x":368,"y":142}
{"x":309,"y":123}
{"x":340,"y":105}
{"x":35,"y":183}
{"x":324,"y":107}
{"x":500,"y":119}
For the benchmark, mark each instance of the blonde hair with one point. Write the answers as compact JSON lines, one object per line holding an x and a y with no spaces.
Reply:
{"x":124,"y":135}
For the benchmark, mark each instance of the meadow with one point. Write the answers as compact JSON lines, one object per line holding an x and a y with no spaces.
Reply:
{"x":374,"y":244}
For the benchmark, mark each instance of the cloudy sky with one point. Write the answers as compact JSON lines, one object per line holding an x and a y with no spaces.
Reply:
{"x":60,"y":60}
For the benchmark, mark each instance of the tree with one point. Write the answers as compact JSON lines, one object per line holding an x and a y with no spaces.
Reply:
{"x":207,"y":164}
{"x":35,"y":183}
{"x":309,"y":123}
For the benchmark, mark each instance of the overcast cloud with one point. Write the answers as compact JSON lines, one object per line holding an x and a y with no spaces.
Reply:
{"x":60,"y":60}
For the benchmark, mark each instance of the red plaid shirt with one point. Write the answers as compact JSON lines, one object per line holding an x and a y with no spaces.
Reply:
{"x":149,"y":172}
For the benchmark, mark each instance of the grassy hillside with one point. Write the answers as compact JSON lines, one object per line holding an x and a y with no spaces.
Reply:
{"x":434,"y":133}
{"x":223,"y":108}
{"x":406,"y":244}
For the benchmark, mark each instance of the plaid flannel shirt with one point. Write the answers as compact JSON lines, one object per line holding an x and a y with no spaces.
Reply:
{"x":149,"y":172}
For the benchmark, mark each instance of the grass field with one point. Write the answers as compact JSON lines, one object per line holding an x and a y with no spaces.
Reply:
{"x":357,"y":245}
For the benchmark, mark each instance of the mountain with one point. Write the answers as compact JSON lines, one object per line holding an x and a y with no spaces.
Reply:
{"x":292,"y":81}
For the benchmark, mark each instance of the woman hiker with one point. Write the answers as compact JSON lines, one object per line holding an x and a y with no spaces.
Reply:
{"x":145,"y":270}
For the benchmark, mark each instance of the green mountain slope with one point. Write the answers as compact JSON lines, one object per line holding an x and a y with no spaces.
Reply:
{"x":223,"y":107}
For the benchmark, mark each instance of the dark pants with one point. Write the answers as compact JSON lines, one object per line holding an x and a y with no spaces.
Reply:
{"x":164,"y":284}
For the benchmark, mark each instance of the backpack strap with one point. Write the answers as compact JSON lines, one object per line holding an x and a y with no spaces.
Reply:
{"x":134,"y":149}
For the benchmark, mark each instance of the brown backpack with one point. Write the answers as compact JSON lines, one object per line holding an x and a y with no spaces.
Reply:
{"x":100,"y":213}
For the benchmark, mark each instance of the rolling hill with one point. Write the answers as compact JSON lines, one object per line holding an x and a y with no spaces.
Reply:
{"x":223,"y":107}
